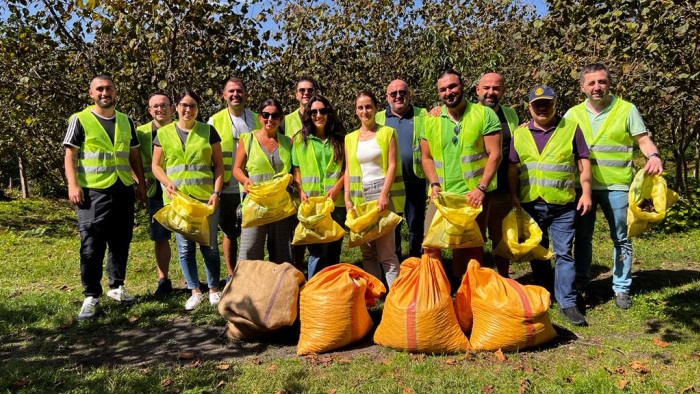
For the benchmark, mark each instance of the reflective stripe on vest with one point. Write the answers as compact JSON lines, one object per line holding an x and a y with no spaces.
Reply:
{"x":145,"y":135}
{"x":548,"y":175}
{"x":397,"y":191}
{"x":258,"y":164}
{"x":310,"y":171}
{"x":419,"y":115}
{"x":222,"y":123}
{"x":190,"y":169}
{"x":471,"y":139}
{"x":101,"y":162}
{"x":611,"y":149}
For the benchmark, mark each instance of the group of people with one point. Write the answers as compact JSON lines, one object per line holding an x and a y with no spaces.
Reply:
{"x":557,"y":169}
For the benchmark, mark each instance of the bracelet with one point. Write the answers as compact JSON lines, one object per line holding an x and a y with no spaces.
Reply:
{"x":217,"y":193}
{"x":435,"y":184}
{"x":655,"y":155}
{"x":482,"y":188}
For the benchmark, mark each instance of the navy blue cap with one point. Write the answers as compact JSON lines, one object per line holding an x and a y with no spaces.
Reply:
{"x":542,"y":92}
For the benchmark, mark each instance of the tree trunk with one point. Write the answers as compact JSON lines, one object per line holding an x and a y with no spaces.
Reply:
{"x":23,"y":178}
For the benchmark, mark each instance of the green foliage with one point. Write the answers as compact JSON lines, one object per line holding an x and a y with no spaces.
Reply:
{"x":683,"y":216}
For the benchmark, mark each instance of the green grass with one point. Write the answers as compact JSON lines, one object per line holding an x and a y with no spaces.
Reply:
{"x":44,"y":349}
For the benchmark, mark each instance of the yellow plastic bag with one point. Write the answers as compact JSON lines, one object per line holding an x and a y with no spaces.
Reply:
{"x":187,"y":216}
{"x":521,"y":238}
{"x":333,"y":308}
{"x":649,"y":200}
{"x":268,"y":202}
{"x":507,"y":315}
{"x":454,"y":225}
{"x":418,"y":313}
{"x":366,"y":223}
{"x":316,"y":226}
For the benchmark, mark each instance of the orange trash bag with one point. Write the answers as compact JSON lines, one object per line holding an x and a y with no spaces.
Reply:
{"x":418,"y":313}
{"x":334,"y":308}
{"x":463,"y":305}
{"x":507,"y":315}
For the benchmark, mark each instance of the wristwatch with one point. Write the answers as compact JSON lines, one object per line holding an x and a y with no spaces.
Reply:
{"x":217,"y":192}
{"x":481,"y":187}
{"x":655,"y":155}
{"x":435,"y":184}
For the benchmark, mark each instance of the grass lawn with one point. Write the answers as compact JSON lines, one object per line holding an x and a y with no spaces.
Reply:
{"x":154,"y":346}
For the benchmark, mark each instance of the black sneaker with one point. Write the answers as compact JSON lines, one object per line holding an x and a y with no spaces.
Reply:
{"x":575,"y":317}
{"x":164,"y":287}
{"x":623,"y":300}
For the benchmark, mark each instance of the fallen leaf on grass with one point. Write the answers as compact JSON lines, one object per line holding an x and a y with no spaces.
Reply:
{"x":344,"y":360}
{"x":256,"y":361}
{"x":408,"y":390}
{"x":186,"y":356}
{"x":499,"y":355}
{"x":418,"y":357}
{"x":333,"y":391}
{"x":524,"y":384}
{"x":658,"y":342}
{"x":220,"y":384}
{"x":137,"y":269}
{"x":223,"y":367}
{"x":98,"y":341}
{"x":144,"y":370}
{"x":487,"y":389}
{"x":695,"y":356}
{"x":194,"y":364}
{"x":639,"y":368}
{"x":622,"y":384}
{"x":19,"y":383}
{"x":689,"y":389}
{"x":133,"y":319}
{"x":272,"y":368}
{"x":67,"y":324}
{"x":451,"y":361}
{"x":166,"y":382}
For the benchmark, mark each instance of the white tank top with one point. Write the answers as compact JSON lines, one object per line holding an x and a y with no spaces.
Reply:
{"x":369,"y":154}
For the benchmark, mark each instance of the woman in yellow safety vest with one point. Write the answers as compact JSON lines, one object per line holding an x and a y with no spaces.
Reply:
{"x":187,"y":157}
{"x":318,"y":158}
{"x":262,"y":154}
{"x":373,"y":172}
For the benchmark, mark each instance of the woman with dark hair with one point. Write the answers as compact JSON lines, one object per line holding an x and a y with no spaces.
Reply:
{"x":262,"y":154}
{"x":373,"y":172}
{"x":318,"y":159}
{"x":187,"y":157}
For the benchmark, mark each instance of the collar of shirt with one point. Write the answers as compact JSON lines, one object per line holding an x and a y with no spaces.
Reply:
{"x":535,"y":129}
{"x":407,"y":115}
{"x":320,"y":141}
{"x":605,"y":110}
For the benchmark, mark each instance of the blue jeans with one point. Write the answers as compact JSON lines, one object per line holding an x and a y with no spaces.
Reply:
{"x":325,"y":255}
{"x":187,"y":250}
{"x":558,"y":223}
{"x":614,"y":205}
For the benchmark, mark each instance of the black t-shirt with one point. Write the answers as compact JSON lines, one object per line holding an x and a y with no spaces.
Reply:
{"x":75,"y":134}
{"x":502,"y":186}
{"x":213,"y":136}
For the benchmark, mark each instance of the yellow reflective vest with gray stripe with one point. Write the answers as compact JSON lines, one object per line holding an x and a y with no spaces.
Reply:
{"x":222,"y":123}
{"x":398,"y":191}
{"x":471,"y":141}
{"x":548,"y":175}
{"x":190,"y":169}
{"x":145,"y":135}
{"x":258,"y":164}
{"x":311,"y":173}
{"x":419,"y":115}
{"x":611,"y":149}
{"x":101,"y":162}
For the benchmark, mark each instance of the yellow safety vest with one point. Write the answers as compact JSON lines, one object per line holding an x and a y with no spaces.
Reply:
{"x":311,"y":173}
{"x":398,"y":191}
{"x":145,"y":135}
{"x":292,"y":123}
{"x":100,"y":161}
{"x":258,"y":164}
{"x":419,"y":115}
{"x":511,"y":118}
{"x":548,"y":175}
{"x":222,"y":123}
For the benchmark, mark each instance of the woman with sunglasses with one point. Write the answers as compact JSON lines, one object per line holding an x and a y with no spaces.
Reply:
{"x":318,"y":158}
{"x":373,"y":172}
{"x":187,"y":157}
{"x":262,"y":154}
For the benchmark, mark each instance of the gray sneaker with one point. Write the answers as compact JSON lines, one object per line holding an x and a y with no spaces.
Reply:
{"x":623,"y":300}
{"x":89,"y":308}
{"x":120,"y":294}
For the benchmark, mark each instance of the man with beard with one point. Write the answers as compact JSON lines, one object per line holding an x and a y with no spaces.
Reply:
{"x":161,"y":110}
{"x":611,"y":126}
{"x":102,"y":152}
{"x":408,"y":121}
{"x":490,"y":91}
{"x":461,"y":150}
{"x":231,"y":122}
{"x":306,"y":88}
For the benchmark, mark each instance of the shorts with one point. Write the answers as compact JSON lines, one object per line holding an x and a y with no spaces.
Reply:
{"x":229,"y":222}
{"x":156,"y":231}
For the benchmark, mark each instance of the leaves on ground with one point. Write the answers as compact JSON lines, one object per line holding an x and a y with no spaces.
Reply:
{"x":658,"y":342}
{"x":223,"y":367}
{"x":639,"y":367}
{"x":19,"y":383}
{"x":499,"y":355}
{"x":186,"y":356}
{"x":166,"y":382}
{"x":490,"y":389}
{"x":622,"y":384}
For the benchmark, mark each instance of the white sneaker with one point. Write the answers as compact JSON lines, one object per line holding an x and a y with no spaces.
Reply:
{"x":214,"y":298}
{"x":120,"y":295}
{"x":87,"y":311}
{"x":193,"y":301}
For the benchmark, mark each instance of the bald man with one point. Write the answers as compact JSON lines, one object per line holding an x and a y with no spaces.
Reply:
{"x":490,"y":90}
{"x":408,"y":120}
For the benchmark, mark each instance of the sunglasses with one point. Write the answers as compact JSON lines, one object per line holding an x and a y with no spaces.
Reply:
{"x":457,"y":129}
{"x":320,"y":111}
{"x":400,"y":93}
{"x":305,"y":90}
{"x":273,"y":115}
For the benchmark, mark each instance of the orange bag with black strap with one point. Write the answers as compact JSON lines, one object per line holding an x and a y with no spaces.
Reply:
{"x":418,"y":313}
{"x":333,"y":308}
{"x":507,"y":315}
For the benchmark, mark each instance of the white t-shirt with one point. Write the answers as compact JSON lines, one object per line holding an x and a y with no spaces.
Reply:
{"x":369,"y":154}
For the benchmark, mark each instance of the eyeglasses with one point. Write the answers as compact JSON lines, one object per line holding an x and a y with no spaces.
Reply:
{"x":321,"y":111}
{"x":273,"y":115}
{"x":159,"y":106}
{"x":188,"y":106}
{"x":457,"y":129}
{"x":401,"y":93}
{"x":306,"y":90}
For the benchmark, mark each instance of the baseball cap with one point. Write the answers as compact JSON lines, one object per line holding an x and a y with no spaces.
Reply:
{"x":542,"y":92}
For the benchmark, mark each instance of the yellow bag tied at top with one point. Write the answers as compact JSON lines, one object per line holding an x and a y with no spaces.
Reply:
{"x":521,"y":238}
{"x":333,"y":308}
{"x":366,"y":223}
{"x":649,"y":200}
{"x":268,"y":202}
{"x":187,"y":216}
{"x":316,"y":226}
{"x":507,"y":315}
{"x":454,"y":224}
{"x":418,"y":313}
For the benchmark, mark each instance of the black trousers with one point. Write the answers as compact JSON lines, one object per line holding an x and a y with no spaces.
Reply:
{"x":414,"y":211}
{"x":105,"y":221}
